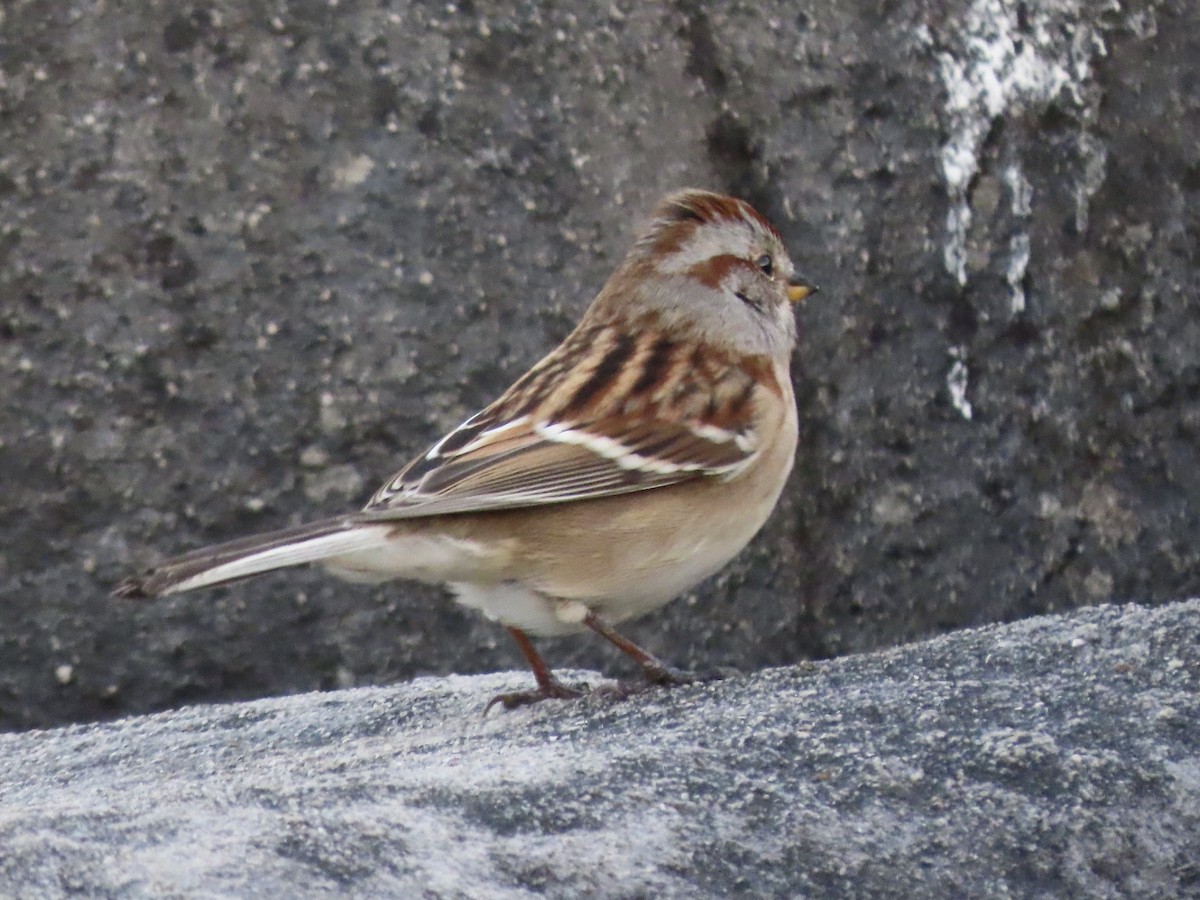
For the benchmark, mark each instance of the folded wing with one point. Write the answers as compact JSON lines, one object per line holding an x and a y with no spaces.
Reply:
{"x":572,"y":430}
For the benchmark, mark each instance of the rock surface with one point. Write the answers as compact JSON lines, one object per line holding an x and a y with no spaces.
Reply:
{"x":1054,"y":757}
{"x":254,"y":255}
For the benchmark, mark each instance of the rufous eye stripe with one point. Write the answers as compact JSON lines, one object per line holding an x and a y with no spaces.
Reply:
{"x":713,"y":271}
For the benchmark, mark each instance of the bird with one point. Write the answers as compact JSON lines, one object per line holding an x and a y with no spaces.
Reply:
{"x":634,"y":460}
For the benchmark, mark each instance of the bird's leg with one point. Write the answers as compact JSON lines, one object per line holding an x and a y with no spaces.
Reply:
{"x":654,"y":669}
{"x":548,"y":687}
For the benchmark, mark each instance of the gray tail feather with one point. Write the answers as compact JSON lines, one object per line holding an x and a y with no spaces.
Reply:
{"x":245,"y":557}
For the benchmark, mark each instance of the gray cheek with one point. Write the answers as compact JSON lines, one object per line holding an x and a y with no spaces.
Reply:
{"x":719,"y":316}
{"x":787,"y":322}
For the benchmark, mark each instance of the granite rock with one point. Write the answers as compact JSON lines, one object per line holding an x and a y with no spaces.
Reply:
{"x":1054,"y":757}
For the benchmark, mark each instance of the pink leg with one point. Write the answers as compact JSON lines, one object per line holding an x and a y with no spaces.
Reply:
{"x":548,"y":687}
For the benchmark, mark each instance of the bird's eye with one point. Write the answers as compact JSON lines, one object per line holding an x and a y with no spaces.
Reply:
{"x":764,"y":262}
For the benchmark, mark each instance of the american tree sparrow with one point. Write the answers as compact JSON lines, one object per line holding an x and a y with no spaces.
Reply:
{"x":634,"y":460}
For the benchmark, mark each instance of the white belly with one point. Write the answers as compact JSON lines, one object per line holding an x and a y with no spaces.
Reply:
{"x":512,"y":603}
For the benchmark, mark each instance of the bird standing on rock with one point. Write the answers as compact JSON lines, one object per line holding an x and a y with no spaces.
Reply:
{"x":634,"y":460}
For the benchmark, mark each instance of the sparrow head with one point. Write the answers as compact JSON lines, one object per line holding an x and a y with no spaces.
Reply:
{"x":712,"y":265}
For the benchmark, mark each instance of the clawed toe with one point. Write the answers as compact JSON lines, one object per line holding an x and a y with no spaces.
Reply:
{"x":655,"y":672}
{"x":551,"y":690}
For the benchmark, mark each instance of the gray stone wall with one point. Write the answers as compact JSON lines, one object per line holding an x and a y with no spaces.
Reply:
{"x":255,"y":255}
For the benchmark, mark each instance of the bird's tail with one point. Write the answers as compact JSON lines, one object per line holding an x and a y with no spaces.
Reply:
{"x":242,"y":558}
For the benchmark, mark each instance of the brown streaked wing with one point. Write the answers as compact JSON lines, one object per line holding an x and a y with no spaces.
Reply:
{"x":605,"y":413}
{"x":540,"y":464}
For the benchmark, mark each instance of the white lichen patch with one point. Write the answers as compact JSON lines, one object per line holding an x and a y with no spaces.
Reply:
{"x":1021,"y":192}
{"x":1095,"y":161}
{"x":956,"y":383}
{"x":1004,"y":61}
{"x":353,"y":171}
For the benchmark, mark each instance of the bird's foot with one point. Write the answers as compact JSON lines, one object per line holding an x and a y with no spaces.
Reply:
{"x":549,"y":689}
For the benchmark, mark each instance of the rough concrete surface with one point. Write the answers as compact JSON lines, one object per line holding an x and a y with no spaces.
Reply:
{"x":1054,"y":757}
{"x":253,"y":255}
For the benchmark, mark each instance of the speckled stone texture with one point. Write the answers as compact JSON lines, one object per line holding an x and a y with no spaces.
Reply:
{"x":253,"y":255}
{"x":1054,"y":757}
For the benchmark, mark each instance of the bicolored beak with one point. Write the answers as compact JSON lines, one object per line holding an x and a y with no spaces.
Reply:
{"x":799,"y":288}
